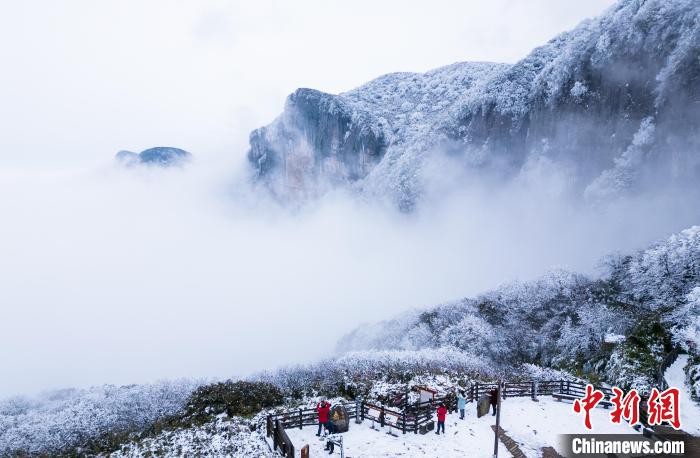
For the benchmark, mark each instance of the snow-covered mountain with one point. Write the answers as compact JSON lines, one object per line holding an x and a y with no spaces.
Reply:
{"x":615,"y":103}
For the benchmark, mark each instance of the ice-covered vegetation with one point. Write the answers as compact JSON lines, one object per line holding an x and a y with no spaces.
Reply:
{"x":71,"y":418}
{"x":222,"y":436}
{"x":362,"y":369}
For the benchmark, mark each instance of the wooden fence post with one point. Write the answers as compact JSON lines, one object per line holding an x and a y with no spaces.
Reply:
{"x":568,"y":387}
{"x":301,"y":421}
{"x":476,"y":391}
{"x":403,"y":422}
{"x":362,"y":411}
{"x":305,"y":451}
{"x":561,"y":386}
{"x":381,"y":417}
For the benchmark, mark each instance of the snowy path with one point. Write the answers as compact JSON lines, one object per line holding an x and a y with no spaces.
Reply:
{"x":532,"y":424}
{"x":690,"y":410}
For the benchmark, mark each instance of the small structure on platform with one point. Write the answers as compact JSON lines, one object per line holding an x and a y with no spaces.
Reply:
{"x":483,"y":405}
{"x":426,"y":394}
{"x":426,"y":427}
{"x":340,"y":420}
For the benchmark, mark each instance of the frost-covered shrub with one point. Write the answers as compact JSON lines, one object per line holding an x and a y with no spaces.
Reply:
{"x":356,"y":372}
{"x":635,"y":363}
{"x":240,"y":398}
{"x":578,"y":90}
{"x":534,"y":372}
{"x":664,"y":274}
{"x":686,"y":332}
{"x":222,"y":436}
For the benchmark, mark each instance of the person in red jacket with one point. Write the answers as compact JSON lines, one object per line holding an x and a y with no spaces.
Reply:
{"x":324,"y":412}
{"x":441,"y":413}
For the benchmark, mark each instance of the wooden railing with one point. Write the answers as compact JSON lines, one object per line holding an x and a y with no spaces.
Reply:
{"x":303,"y":417}
{"x":477,"y":389}
{"x":280,"y":439}
{"x":385,"y":416}
{"x":421,"y":413}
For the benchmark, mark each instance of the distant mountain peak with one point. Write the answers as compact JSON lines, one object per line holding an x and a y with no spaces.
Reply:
{"x":164,"y":156}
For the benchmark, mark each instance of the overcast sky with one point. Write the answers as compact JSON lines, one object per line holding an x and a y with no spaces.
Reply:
{"x":111,"y":275}
{"x":81,"y":80}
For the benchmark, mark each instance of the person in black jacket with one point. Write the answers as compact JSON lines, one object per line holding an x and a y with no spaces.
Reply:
{"x":493,"y":399}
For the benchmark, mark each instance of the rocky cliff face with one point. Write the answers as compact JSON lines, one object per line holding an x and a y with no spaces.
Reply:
{"x":615,"y":103}
{"x":617,"y":100}
{"x":320,"y":140}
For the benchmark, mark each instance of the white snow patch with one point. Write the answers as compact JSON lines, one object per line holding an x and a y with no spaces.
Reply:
{"x":690,"y":410}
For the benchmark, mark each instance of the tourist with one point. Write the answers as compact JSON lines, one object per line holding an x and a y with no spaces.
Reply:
{"x":441,"y":413}
{"x":451,"y":402}
{"x":330,"y":446}
{"x":324,"y":410}
{"x":332,"y":441}
{"x":461,"y":404}
{"x":493,"y":395}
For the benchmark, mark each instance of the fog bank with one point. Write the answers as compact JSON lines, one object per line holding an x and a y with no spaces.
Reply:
{"x":127,"y":275}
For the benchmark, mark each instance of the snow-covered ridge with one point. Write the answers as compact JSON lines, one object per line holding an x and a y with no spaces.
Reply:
{"x":614,"y":101}
{"x":562,"y":320}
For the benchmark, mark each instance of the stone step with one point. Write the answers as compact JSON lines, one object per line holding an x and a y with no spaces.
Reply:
{"x":510,"y":444}
{"x":550,"y":452}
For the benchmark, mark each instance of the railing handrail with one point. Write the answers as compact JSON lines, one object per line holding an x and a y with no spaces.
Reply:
{"x":281,"y":440}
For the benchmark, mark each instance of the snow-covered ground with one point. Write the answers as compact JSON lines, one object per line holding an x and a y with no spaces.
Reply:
{"x":532,"y":424}
{"x":690,"y":410}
